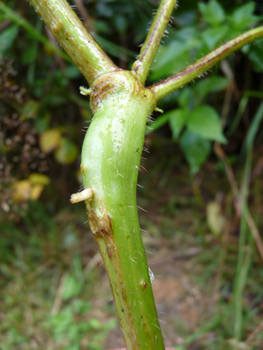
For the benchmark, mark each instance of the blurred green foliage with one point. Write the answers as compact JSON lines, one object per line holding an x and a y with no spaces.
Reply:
{"x":193,"y":123}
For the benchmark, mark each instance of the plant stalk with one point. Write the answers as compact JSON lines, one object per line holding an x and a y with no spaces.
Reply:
{"x":111,"y":156}
{"x":69,"y":31}
{"x":197,"y":69}
{"x":142,"y":65}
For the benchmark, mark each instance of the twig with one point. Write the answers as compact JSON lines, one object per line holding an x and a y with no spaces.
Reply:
{"x":197,"y":69}
{"x":79,"y":44}
{"x":142,"y":65}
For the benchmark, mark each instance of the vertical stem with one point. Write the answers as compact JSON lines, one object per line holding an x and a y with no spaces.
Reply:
{"x":111,"y":156}
{"x":79,"y":44}
{"x":142,"y":65}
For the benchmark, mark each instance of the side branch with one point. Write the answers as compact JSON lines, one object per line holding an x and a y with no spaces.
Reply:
{"x":142,"y":65}
{"x":69,"y":31}
{"x":195,"y":70}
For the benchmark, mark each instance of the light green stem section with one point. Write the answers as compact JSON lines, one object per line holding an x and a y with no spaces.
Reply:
{"x":69,"y":31}
{"x":196,"y":70}
{"x":142,"y":65}
{"x":110,"y":162}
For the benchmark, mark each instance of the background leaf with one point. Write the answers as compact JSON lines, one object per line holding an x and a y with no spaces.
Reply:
{"x":196,"y":150}
{"x":177,"y":121}
{"x":204,"y":121}
{"x":7,"y":37}
{"x":212,"y":12}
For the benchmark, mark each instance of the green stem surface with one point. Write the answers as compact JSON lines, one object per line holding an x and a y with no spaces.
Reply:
{"x":197,"y":69}
{"x":142,"y":65}
{"x":111,"y":156}
{"x":69,"y":31}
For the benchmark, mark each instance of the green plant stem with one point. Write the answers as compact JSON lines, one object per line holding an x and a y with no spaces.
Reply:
{"x":20,"y":21}
{"x":111,"y":156}
{"x":197,"y":69}
{"x":79,"y":44}
{"x":142,"y":65}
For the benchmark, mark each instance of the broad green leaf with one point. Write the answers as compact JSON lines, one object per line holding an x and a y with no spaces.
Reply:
{"x":212,"y":12}
{"x":184,"y":97}
{"x":177,"y":121}
{"x":243,"y":16}
{"x":211,"y":84}
{"x":196,"y":150}
{"x":7,"y":37}
{"x":169,"y":59}
{"x":214,"y":35}
{"x":255,"y":54}
{"x":204,"y":121}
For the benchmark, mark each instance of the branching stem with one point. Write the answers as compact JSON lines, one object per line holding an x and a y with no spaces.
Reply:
{"x":69,"y":31}
{"x":205,"y":63}
{"x":142,"y":65}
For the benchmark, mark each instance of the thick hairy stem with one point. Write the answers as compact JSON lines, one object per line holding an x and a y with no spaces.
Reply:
{"x":111,"y":156}
{"x":142,"y":65}
{"x":201,"y":66}
{"x":79,"y":44}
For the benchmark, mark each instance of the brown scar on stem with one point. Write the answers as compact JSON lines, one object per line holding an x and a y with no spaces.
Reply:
{"x":81,"y":196}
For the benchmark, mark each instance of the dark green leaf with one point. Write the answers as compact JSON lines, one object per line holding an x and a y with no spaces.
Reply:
{"x":255,"y":54}
{"x":196,"y":150}
{"x":204,"y":121}
{"x":243,"y":16}
{"x":177,"y":121}
{"x":212,"y":12}
{"x":210,"y":84}
{"x":184,"y":97}
{"x":172,"y":65}
{"x":214,"y":35}
{"x":7,"y":37}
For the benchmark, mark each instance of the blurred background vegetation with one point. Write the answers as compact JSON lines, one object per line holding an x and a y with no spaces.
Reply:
{"x":203,"y":192}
